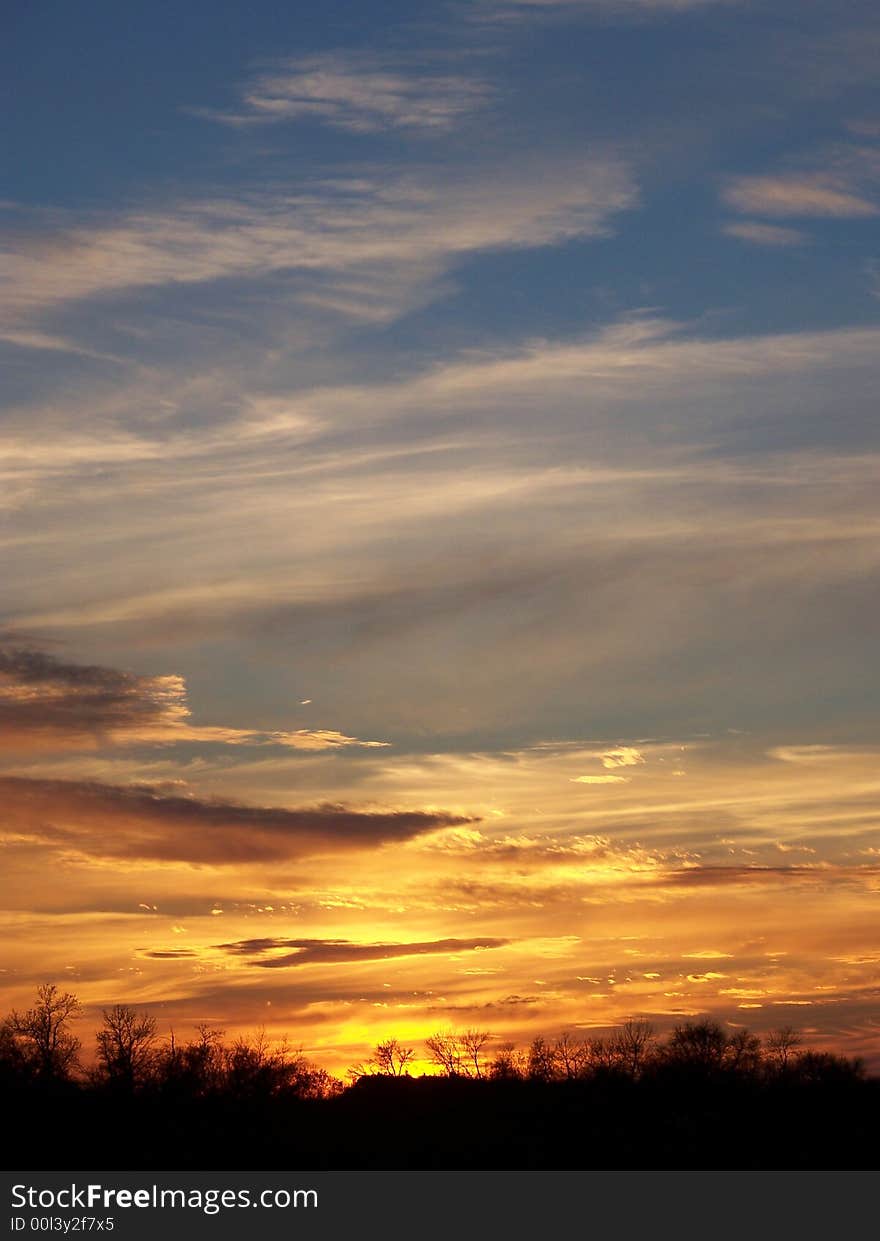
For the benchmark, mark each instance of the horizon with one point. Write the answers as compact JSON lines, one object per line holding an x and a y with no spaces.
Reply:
{"x":130,"y":1051}
{"x":440,"y":517}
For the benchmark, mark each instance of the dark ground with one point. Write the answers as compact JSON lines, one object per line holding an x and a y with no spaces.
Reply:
{"x":679,"y":1122}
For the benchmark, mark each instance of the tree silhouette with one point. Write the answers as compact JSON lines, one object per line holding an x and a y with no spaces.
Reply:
{"x":472,"y":1043}
{"x":782,"y":1047}
{"x":632,"y":1045}
{"x":823,"y":1068}
{"x":706,"y":1095}
{"x":459,"y":1054}
{"x":392,"y":1058}
{"x":743,"y":1053}
{"x":44,"y":1034}
{"x":698,"y":1045}
{"x":195,"y":1068}
{"x":601,"y":1054}
{"x":13,"y":1061}
{"x":507,"y":1064}
{"x":571,"y":1056}
{"x":541,"y":1061}
{"x":445,"y":1051}
{"x":126,"y":1046}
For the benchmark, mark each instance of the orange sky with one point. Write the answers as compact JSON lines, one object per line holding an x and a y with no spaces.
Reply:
{"x":559,"y":886}
{"x":439,"y":515}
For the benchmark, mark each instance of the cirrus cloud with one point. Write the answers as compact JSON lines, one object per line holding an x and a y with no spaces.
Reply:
{"x":362,"y":93}
{"x":796,"y":194}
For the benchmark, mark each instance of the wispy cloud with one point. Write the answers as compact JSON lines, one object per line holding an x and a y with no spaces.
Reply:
{"x":409,"y":228}
{"x":656,"y":522}
{"x":764,"y":234}
{"x":362,"y":93}
{"x":748,"y":876}
{"x":796,"y":194}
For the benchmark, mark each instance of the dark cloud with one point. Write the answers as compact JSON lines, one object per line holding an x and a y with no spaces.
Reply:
{"x":44,"y":701}
{"x":47,"y":704}
{"x":141,"y":821}
{"x":319,"y":951}
{"x":171,"y":954}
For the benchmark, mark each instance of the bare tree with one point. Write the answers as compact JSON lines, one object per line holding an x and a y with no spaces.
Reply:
{"x":249,"y":1068}
{"x":700,"y":1044}
{"x":602,"y":1053}
{"x":43,"y":1031}
{"x":392,"y":1058}
{"x":541,"y":1064}
{"x":126,"y":1045}
{"x":743,"y":1052}
{"x":782,"y":1047}
{"x":507,"y":1064}
{"x":196,"y":1067}
{"x":445,"y":1051}
{"x":632,"y":1045}
{"x":205,"y":1056}
{"x":472,"y":1043}
{"x":572,"y":1056}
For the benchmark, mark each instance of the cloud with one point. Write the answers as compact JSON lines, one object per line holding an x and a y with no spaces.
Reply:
{"x":47,"y":704}
{"x":145,"y":822}
{"x":723,"y":876}
{"x":361,"y":93}
{"x":435,"y":420}
{"x":814,"y":754}
{"x":323,"y":951}
{"x":616,"y":361}
{"x":796,"y":194}
{"x":331,"y":239}
{"x":765,"y":234}
{"x":650,"y":549}
{"x":599,"y":780}
{"x":659,"y":524}
{"x":54,"y":344}
{"x":623,"y":756}
{"x":42,"y":698}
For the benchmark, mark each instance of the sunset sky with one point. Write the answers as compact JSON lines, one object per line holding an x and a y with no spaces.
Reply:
{"x":439,"y":515}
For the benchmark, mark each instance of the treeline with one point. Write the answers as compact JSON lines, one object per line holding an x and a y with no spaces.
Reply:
{"x":700,"y":1097}
{"x":39,"y":1047}
{"x":700,"y":1048}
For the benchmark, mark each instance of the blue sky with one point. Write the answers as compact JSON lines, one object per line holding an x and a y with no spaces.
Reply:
{"x":217,"y":210}
{"x":407,"y":407}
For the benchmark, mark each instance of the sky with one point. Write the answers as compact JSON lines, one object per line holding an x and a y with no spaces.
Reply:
{"x":439,"y":515}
